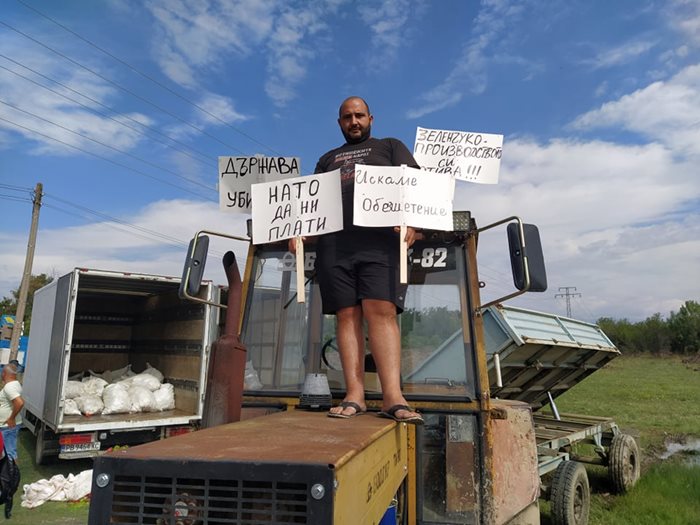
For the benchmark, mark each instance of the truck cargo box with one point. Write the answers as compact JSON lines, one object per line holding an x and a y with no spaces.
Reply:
{"x":91,"y":321}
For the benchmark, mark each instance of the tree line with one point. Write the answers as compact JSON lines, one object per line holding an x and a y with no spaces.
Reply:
{"x":679,"y":333}
{"x":8,"y":305}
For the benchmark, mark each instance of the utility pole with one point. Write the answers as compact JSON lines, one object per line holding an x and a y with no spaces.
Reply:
{"x":27,"y":274}
{"x":567,"y":293}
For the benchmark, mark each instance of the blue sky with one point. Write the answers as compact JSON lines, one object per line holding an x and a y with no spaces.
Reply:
{"x":122,"y":108}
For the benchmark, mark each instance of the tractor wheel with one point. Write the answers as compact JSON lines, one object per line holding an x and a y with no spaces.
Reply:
{"x":570,"y":494}
{"x":623,"y":463}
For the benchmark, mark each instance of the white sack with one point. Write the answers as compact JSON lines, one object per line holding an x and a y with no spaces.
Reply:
{"x":154,"y":372}
{"x":70,"y":408}
{"x":116,"y":399}
{"x":94,"y":385}
{"x":142,"y":399}
{"x":58,"y":488}
{"x":74,"y":389}
{"x":90,"y":405}
{"x":145,"y":380}
{"x":165,"y":397}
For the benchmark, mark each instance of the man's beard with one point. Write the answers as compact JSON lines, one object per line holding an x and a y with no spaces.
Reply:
{"x":363,"y":136}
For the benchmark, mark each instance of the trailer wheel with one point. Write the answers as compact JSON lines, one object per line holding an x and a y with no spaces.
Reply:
{"x":623,"y":463}
{"x":570,"y":494}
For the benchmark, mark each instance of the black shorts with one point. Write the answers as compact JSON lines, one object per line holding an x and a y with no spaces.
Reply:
{"x":356,"y":265}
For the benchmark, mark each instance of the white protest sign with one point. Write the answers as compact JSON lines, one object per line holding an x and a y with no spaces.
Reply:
{"x":237,"y":174}
{"x":396,"y":195}
{"x":472,"y":157}
{"x":302,"y":206}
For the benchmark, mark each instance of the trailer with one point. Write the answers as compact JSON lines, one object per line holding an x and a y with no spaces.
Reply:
{"x":535,"y":357}
{"x":90,"y":321}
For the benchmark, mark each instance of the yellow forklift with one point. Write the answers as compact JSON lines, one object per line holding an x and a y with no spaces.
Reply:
{"x":270,"y":455}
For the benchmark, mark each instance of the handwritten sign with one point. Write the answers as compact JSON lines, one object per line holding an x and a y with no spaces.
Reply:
{"x":237,"y":174}
{"x":295,"y":207}
{"x":393,"y":196}
{"x":473,"y":157}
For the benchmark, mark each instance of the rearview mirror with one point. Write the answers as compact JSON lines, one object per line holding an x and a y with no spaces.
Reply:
{"x":193,"y":271}
{"x":526,"y":258}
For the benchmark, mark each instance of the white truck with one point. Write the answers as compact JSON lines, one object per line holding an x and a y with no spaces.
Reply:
{"x":92,"y":321}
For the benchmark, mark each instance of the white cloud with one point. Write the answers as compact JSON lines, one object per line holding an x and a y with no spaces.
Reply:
{"x":387,"y":23}
{"x":194,"y":35}
{"x":69,"y":108}
{"x":685,"y":17}
{"x":607,"y":215}
{"x":469,"y":74}
{"x":665,"y":111}
{"x":109,"y":246}
{"x":295,"y":40}
{"x":623,"y":54}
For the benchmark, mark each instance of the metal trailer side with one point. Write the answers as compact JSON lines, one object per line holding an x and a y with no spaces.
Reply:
{"x":535,"y":357}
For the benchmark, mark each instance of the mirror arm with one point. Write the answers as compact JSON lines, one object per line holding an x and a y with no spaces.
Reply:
{"x":525,"y":263}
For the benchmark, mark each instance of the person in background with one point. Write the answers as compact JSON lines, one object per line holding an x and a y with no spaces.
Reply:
{"x":11,"y":404}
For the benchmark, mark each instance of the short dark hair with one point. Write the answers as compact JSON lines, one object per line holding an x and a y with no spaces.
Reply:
{"x":353,"y":98}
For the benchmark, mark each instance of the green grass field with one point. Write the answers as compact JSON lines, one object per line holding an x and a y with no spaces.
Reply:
{"x":654,"y":399}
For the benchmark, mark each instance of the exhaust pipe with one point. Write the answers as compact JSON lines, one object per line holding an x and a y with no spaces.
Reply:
{"x":228,"y":357}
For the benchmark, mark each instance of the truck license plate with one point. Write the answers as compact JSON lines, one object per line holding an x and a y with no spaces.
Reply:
{"x":81,"y":447}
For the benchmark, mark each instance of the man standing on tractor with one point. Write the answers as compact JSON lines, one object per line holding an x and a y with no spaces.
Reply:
{"x":358,"y":272}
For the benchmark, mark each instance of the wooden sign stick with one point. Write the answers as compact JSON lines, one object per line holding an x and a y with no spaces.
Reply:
{"x":403,"y":255}
{"x":301,"y":288}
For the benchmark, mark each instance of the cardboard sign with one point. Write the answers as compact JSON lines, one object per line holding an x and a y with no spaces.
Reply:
{"x":399,"y":195}
{"x":237,"y":174}
{"x":301,"y":206}
{"x":472,"y":157}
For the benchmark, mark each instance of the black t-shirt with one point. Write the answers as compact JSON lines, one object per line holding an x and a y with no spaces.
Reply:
{"x":371,"y":152}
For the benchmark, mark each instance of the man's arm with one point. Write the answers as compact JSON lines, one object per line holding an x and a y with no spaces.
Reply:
{"x":17,"y":404}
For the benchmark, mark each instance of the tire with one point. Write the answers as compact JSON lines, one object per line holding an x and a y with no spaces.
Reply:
{"x":623,"y":463}
{"x":40,"y":456}
{"x":570,"y":494}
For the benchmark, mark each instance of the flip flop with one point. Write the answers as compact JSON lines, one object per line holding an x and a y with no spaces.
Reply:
{"x":348,"y":404}
{"x":391,"y":414}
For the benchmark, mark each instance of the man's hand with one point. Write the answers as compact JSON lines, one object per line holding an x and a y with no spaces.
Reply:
{"x":411,"y":235}
{"x":292,"y":244}
{"x":11,"y":423}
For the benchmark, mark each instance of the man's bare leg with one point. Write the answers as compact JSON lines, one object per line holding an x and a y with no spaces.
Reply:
{"x":385,"y":345}
{"x":351,"y":345}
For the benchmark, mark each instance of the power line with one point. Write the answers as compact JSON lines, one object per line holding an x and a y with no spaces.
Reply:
{"x":83,"y":135}
{"x":130,"y":168}
{"x":14,"y":198}
{"x":117,"y":120}
{"x":15,"y":188}
{"x":112,"y":82}
{"x":568,"y":295}
{"x":120,"y":221}
{"x":158,"y":83}
{"x":127,"y":225}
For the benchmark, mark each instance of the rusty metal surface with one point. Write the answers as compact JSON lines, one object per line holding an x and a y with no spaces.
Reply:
{"x":294,"y":437}
{"x":227,"y":364}
{"x":516,"y":481}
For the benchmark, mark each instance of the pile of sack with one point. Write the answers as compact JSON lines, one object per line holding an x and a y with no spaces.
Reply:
{"x":119,"y":392}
